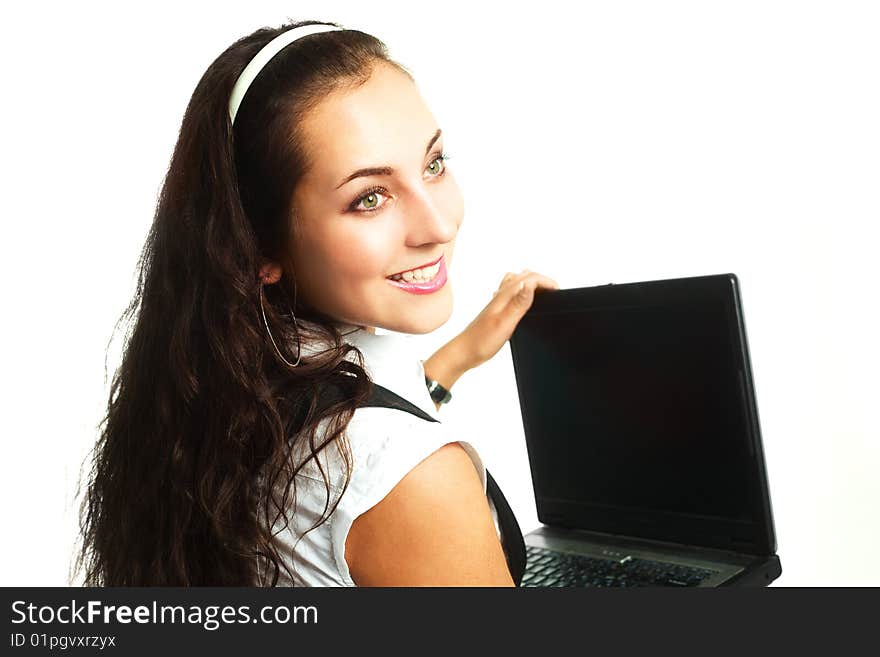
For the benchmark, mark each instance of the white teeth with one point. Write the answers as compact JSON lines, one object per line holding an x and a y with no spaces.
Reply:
{"x":424,"y":274}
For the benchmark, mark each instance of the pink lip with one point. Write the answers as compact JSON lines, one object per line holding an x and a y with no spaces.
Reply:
{"x":428,"y":286}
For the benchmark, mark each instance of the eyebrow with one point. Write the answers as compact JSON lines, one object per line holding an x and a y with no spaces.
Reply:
{"x":384,"y":171}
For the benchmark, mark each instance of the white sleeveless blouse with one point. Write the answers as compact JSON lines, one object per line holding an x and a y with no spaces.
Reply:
{"x":385,"y":445}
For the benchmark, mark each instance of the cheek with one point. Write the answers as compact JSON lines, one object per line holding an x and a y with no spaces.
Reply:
{"x":353,"y":255}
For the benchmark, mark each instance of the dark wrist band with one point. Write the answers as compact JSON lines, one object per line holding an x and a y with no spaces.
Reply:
{"x":438,"y":393}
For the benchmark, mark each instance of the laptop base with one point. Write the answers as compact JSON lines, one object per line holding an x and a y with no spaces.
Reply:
{"x":731,"y":568}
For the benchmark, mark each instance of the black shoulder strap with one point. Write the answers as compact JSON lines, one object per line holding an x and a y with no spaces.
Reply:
{"x":511,"y":535}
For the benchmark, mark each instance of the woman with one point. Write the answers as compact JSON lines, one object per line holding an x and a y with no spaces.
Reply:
{"x":298,"y":189}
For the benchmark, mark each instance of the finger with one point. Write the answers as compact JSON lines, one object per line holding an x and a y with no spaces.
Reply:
{"x":512,"y":285}
{"x":511,"y":275}
{"x":526,"y":292}
{"x":509,"y":291}
{"x":524,"y":296}
{"x":544,"y":281}
{"x":506,"y":278}
{"x":512,"y":278}
{"x":540,"y":279}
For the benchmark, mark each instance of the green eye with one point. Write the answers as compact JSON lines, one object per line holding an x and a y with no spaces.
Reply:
{"x":368,"y":201}
{"x":437,"y":166}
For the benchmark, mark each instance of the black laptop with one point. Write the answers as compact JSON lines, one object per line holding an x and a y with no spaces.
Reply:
{"x":642,"y":430}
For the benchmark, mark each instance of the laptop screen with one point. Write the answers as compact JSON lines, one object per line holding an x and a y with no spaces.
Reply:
{"x":636,"y":417}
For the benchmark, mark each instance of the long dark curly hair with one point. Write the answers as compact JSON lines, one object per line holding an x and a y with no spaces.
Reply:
{"x":193,"y":471}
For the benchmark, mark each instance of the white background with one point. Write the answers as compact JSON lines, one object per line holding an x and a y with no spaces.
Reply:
{"x":594,"y":142}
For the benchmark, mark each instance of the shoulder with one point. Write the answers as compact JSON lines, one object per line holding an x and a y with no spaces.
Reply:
{"x":387,"y":443}
{"x":415,"y":510}
{"x":374,"y":432}
{"x":433,"y":528}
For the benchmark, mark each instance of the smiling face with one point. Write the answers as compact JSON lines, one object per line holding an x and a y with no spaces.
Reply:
{"x":376,"y":200}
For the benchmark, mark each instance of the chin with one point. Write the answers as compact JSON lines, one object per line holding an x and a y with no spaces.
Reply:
{"x":430,"y":319}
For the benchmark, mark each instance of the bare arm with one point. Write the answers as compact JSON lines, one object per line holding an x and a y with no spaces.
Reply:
{"x":447,"y":364}
{"x":433,"y":529}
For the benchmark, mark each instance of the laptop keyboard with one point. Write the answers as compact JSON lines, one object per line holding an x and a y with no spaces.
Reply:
{"x":551,"y":568}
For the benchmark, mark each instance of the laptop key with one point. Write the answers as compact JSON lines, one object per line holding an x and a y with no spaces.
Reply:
{"x":550,"y":568}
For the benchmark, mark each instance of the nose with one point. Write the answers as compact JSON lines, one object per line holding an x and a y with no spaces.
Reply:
{"x":429,"y":220}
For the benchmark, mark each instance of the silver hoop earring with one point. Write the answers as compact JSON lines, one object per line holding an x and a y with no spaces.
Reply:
{"x":277,"y":350}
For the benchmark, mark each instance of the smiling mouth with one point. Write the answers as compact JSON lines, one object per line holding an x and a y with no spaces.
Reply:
{"x":422,"y":273}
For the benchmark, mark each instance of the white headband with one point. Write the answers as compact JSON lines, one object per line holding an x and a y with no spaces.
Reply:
{"x":266,"y":53}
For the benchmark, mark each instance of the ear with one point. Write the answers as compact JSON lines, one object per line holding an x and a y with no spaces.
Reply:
{"x":270,"y":272}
